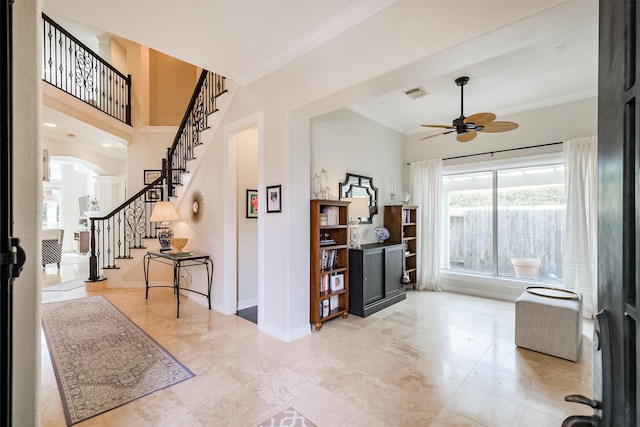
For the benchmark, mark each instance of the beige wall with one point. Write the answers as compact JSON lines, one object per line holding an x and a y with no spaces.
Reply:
{"x":171,"y":84}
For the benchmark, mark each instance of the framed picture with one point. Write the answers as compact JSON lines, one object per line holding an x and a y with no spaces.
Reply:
{"x":274,"y":198}
{"x":153,"y":194}
{"x":336,"y":282}
{"x":151,"y":175}
{"x":252,"y":203}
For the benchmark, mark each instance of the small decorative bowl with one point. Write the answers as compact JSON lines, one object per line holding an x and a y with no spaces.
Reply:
{"x":179,"y":243}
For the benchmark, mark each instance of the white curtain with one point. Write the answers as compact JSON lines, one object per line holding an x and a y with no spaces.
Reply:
{"x":581,"y":240}
{"x":425,"y":190}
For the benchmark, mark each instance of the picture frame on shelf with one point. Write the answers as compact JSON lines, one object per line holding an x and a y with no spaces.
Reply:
{"x":336,"y":282}
{"x":151,"y":175}
{"x":274,"y":198}
{"x":153,"y":194}
{"x":252,"y":204}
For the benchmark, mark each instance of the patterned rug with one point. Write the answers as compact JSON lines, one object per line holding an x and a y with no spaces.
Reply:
{"x":102,"y":359}
{"x":287,"y":418}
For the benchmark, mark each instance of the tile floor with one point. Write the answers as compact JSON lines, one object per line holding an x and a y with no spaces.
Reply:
{"x":435,"y":359}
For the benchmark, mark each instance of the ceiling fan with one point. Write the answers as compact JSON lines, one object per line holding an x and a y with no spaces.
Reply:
{"x":467,"y":128}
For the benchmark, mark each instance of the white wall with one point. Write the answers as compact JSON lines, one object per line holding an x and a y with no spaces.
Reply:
{"x":27,"y":211}
{"x":100,"y":163}
{"x":146,"y":151}
{"x":247,"y":249}
{"x":344,"y":141}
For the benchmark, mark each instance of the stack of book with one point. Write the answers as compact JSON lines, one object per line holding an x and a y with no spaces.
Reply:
{"x":323,"y":219}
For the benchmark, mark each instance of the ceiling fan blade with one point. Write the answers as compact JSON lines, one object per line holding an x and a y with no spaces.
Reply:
{"x":480,"y":119}
{"x":439,"y":126}
{"x":467,"y":136}
{"x":499,"y":127}
{"x":437,"y":134}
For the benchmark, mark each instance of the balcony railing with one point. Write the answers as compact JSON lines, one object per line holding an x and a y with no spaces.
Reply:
{"x":72,"y":67}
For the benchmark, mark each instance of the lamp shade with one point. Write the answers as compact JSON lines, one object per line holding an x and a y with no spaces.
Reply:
{"x":164,"y":212}
{"x":359,"y":207}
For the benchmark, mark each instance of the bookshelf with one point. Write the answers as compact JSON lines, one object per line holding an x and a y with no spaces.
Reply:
{"x":329,"y":261}
{"x":400,"y":220}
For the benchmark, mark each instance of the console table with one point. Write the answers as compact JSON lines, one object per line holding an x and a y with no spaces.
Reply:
{"x":179,"y":261}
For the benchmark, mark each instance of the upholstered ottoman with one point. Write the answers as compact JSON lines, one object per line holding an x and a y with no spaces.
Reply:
{"x":550,"y":321}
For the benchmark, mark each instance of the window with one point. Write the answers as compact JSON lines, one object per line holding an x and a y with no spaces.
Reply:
{"x":506,"y":222}
{"x":51,"y":203}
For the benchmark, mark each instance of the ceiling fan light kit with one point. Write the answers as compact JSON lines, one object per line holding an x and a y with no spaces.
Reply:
{"x":467,"y":128}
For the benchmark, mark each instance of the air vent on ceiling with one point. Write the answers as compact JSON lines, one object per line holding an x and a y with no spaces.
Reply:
{"x":416,"y":93}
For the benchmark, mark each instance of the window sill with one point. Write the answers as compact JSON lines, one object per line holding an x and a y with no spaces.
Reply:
{"x":501,"y":288}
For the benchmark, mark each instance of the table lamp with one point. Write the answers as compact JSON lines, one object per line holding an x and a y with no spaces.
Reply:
{"x":164,"y":212}
{"x":358,"y":208}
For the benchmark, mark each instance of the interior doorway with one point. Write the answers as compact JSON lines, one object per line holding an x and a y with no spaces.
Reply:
{"x":243,"y":171}
{"x":247,"y":211}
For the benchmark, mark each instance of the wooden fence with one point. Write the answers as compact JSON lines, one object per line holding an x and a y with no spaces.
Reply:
{"x":523,"y":232}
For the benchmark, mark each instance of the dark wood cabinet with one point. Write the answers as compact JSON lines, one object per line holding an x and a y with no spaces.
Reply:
{"x":375,"y":277}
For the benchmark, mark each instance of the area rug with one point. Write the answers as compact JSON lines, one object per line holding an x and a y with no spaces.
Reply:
{"x":64,"y":286}
{"x":102,"y":359}
{"x":287,"y":418}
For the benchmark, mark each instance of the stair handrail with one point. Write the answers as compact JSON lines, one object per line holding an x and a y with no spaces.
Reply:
{"x":137,"y":225}
{"x":105,"y":258}
{"x":115,"y":99}
{"x":202,"y":103}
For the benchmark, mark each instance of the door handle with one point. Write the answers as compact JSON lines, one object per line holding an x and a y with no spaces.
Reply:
{"x":578,"y":398}
{"x":15,"y":257}
{"x":581,"y":421}
{"x":20,"y":258}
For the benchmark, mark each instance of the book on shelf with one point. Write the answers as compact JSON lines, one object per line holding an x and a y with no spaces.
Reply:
{"x":406,"y":213}
{"x":323,"y":219}
{"x":324,"y":283}
{"x":325,"y":307}
{"x":334,"y":302}
{"x":328,"y":259}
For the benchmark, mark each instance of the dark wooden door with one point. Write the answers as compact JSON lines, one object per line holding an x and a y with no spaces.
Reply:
{"x":393,"y":264}
{"x":373,"y":286}
{"x":615,"y":342}
{"x":11,"y":254}
{"x":5,"y":213}
{"x":616,"y":350}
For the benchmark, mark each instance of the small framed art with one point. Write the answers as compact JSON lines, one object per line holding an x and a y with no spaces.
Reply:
{"x":154,"y":194}
{"x":252,"y":203}
{"x":336,"y":282}
{"x":151,"y":175}
{"x":274,"y":198}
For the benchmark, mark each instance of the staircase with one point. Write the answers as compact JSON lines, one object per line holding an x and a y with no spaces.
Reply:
{"x":116,"y":235}
{"x":72,"y":67}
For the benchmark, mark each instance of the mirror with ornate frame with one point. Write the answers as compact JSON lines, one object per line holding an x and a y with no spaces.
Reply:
{"x":361,"y":186}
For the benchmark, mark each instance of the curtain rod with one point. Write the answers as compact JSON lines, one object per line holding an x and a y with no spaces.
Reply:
{"x":498,"y":151}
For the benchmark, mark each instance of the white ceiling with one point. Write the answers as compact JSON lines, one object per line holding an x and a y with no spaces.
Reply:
{"x":73,"y":131}
{"x":519,"y":54}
